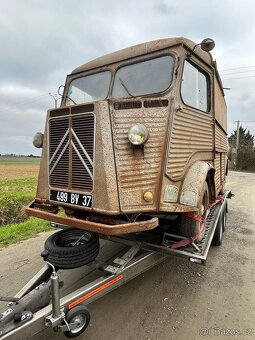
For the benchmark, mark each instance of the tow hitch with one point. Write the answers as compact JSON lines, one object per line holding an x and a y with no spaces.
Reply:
{"x":20,"y":310}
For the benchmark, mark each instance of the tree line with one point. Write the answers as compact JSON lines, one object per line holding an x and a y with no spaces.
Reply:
{"x":242,"y":158}
{"x":9,"y":155}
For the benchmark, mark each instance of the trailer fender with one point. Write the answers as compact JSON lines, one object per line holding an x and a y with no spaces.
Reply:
{"x":193,"y":183}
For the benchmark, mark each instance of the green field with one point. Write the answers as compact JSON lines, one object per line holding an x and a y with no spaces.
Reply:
{"x":15,"y":194}
{"x":19,"y":160}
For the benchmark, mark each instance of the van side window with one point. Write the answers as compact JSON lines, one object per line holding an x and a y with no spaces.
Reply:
{"x":195,"y":88}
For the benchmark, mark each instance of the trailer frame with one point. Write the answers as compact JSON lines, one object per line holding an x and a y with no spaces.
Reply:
{"x":140,"y":256}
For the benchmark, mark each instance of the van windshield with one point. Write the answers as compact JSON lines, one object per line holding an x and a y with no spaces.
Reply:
{"x":146,"y":77}
{"x":89,"y":88}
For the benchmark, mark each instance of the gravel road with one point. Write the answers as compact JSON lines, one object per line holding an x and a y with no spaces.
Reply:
{"x":176,"y":300}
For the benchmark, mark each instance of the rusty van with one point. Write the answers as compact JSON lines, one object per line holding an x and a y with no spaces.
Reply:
{"x":139,"y":141}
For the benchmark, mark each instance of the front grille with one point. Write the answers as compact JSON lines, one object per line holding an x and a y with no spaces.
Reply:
{"x":83,"y":145}
{"x":71,"y":152}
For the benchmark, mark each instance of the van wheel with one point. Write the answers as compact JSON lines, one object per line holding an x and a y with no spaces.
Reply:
{"x":189,"y":227}
{"x":72,"y":248}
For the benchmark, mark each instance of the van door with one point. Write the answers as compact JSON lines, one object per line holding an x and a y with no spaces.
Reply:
{"x":192,"y":128}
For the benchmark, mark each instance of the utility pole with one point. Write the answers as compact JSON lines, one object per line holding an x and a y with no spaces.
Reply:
{"x":237,"y":135}
{"x":237,"y":142}
{"x":55,"y":97}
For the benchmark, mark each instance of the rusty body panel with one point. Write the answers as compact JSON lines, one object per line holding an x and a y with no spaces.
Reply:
{"x":193,"y":129}
{"x":140,"y":50}
{"x":137,"y":174}
{"x":220,"y":162}
{"x":87,"y":153}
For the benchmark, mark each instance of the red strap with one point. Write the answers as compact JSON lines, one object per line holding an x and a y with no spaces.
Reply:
{"x":194,"y":216}
{"x":197,"y":218}
{"x":181,"y":243}
{"x":189,"y":240}
{"x":218,"y":200}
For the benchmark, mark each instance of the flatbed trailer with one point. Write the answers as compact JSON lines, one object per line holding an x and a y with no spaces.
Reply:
{"x":43,"y":302}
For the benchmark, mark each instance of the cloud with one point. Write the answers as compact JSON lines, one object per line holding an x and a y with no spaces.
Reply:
{"x":42,"y":41}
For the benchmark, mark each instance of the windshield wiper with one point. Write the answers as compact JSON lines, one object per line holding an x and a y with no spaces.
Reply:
{"x":71,"y":99}
{"x":127,"y":90}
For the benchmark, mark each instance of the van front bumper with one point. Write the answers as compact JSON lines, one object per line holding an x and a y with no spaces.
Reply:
{"x":105,"y":225}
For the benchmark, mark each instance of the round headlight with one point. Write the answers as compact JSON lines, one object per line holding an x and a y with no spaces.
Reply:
{"x":138,"y":134}
{"x":38,"y":140}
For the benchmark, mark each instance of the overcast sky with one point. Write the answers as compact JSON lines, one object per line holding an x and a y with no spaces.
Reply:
{"x":43,"y":40}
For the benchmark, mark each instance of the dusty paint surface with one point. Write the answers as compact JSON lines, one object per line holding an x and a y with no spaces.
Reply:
{"x":94,"y":156}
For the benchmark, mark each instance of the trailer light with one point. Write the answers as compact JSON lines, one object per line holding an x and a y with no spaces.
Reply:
{"x":148,"y":196}
{"x":138,"y":134}
{"x":194,"y":260}
{"x":38,"y":140}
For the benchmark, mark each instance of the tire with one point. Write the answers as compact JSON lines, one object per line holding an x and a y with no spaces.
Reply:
{"x":72,"y":248}
{"x":80,"y":314}
{"x":218,"y":234}
{"x":189,"y":227}
{"x":224,"y":217}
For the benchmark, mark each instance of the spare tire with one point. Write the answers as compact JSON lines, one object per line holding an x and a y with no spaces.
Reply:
{"x":72,"y":248}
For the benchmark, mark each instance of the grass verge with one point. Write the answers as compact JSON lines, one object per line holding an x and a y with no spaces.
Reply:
{"x":14,"y":195}
{"x":16,"y":232}
{"x":18,"y":180}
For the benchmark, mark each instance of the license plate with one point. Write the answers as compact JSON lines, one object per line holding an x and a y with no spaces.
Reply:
{"x":73,"y":198}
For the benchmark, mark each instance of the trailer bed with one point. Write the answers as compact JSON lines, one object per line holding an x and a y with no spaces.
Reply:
{"x":118,"y":262}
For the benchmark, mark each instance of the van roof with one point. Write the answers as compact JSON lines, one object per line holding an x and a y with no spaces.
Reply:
{"x":141,"y":49}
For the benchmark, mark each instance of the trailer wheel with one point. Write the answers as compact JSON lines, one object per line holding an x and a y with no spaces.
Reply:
{"x":72,"y":248}
{"x":225,"y":210}
{"x":79,"y":315}
{"x":218,"y":234}
{"x":189,"y":227}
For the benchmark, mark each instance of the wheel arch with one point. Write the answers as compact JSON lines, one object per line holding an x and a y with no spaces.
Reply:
{"x":193,"y":183}
{"x":211,"y":184}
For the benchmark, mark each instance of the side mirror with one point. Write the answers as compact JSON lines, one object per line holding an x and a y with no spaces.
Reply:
{"x":207,"y":44}
{"x":61,"y":90}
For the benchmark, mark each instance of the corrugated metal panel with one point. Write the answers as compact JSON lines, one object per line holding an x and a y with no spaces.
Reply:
{"x":220,"y":139}
{"x":191,"y":132}
{"x":221,"y":149}
{"x":137,"y":173}
{"x":222,"y":168}
{"x":217,"y":171}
